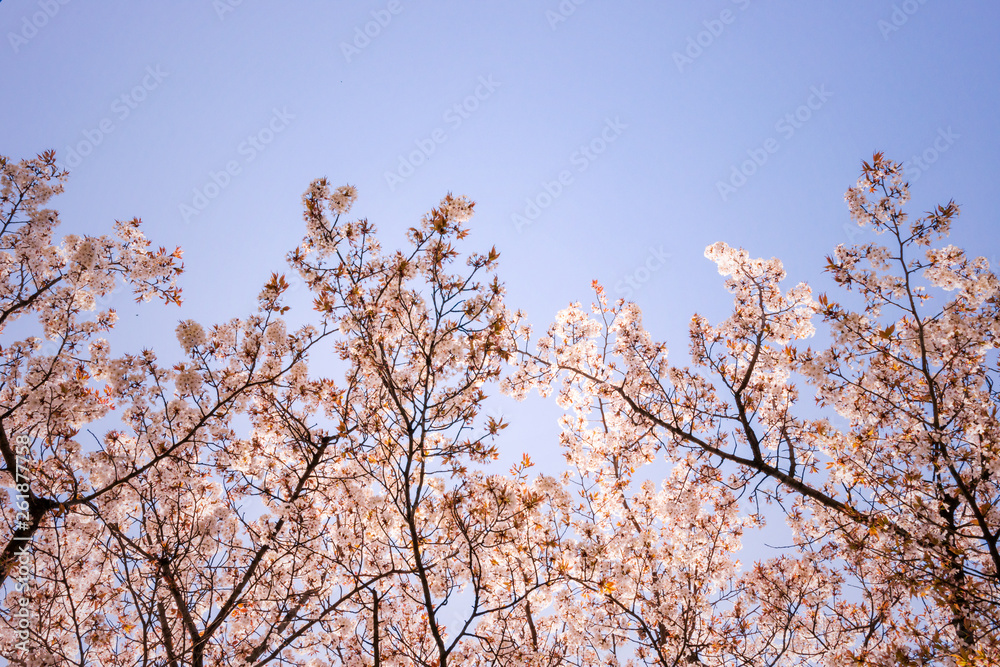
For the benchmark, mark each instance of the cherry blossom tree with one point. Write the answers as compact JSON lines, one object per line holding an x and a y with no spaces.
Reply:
{"x":83,"y":506}
{"x":45,"y":397}
{"x":344,"y":519}
{"x":892,"y":495}
{"x":327,"y":494}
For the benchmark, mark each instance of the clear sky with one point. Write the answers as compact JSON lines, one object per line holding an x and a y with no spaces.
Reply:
{"x":600,"y":139}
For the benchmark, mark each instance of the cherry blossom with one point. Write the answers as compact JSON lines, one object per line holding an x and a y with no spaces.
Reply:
{"x":328,"y":493}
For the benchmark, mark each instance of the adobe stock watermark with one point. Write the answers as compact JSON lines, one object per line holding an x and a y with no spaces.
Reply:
{"x":454,"y":116}
{"x":918,"y":164}
{"x":697,"y":44}
{"x":24,"y":571}
{"x":381,"y":18}
{"x":633,"y":281}
{"x":38,"y":20}
{"x":901,"y":13}
{"x":563,"y":11}
{"x":247,"y":150}
{"x":223,"y":7}
{"x":786,"y":127}
{"x":121,"y":108}
{"x":913,"y":169}
{"x":580,"y":160}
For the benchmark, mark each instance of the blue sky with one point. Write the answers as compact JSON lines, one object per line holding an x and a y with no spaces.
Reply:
{"x":601,"y":140}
